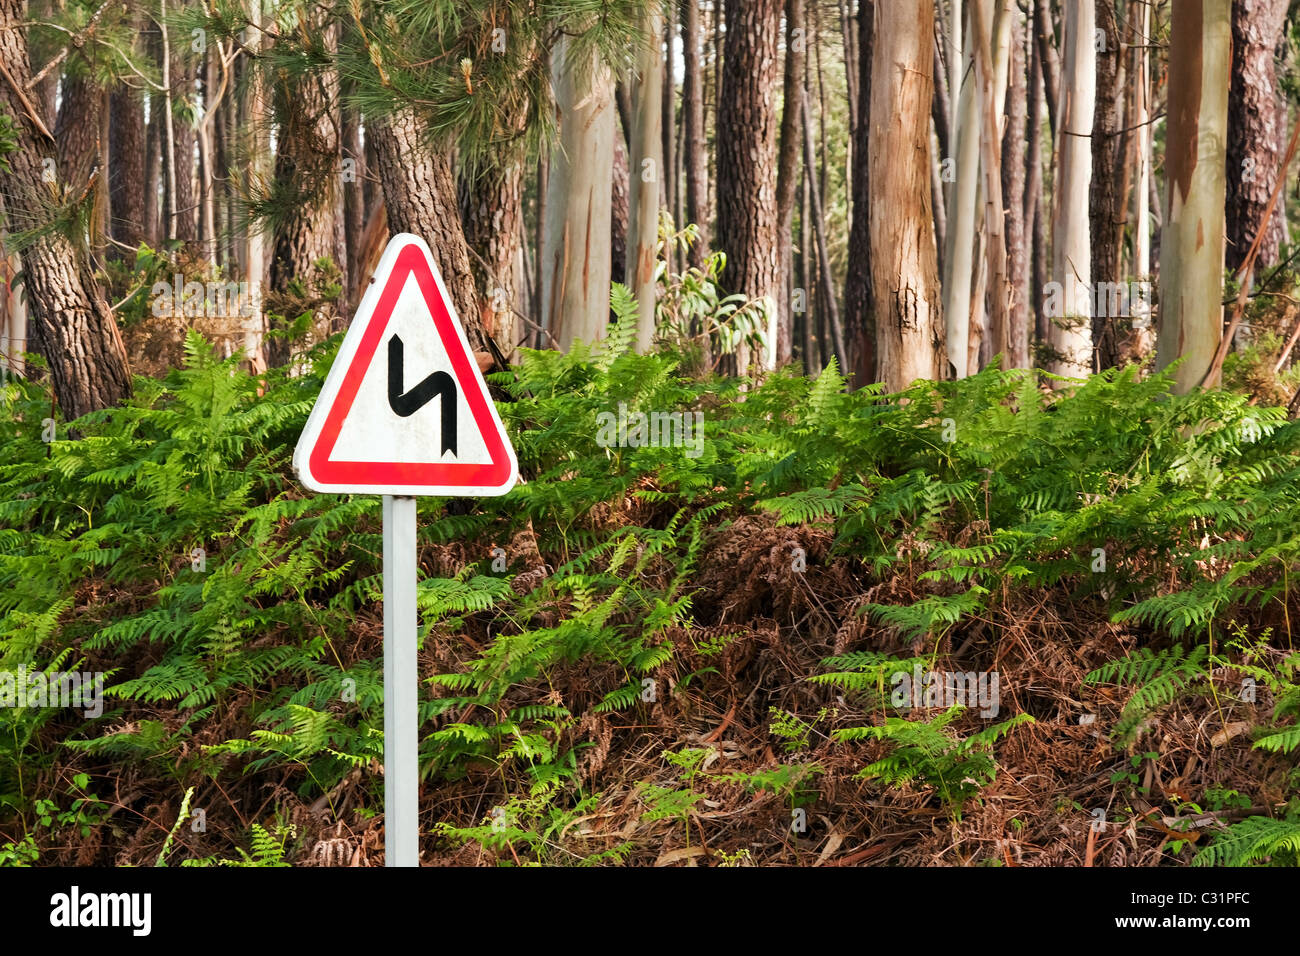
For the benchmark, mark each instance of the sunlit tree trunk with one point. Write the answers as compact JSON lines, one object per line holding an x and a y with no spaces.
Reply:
{"x":647,"y":177}
{"x":1192,"y":244}
{"x":575,"y":253}
{"x":904,"y":272}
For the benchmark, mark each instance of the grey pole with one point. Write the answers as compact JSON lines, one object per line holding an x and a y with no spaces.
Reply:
{"x":401,"y":744}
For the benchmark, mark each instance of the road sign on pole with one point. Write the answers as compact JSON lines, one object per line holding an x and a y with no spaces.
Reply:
{"x":404,"y":411}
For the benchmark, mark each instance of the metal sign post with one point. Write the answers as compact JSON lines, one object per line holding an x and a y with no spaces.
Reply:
{"x":401,"y":709}
{"x":371,"y":434}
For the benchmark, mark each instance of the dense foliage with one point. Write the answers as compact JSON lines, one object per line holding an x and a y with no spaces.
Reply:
{"x":167,"y":543}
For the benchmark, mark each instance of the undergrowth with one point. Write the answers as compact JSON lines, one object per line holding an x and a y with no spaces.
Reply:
{"x":166,"y":544}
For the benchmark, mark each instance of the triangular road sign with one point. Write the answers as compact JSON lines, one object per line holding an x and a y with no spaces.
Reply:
{"x":404,"y":409}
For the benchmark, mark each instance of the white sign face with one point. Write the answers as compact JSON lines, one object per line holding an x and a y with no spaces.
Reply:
{"x":404,"y":409}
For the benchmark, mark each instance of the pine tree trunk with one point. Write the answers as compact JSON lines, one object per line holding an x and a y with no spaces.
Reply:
{"x":1255,"y":138}
{"x":491,"y":211}
{"x":309,"y":156}
{"x":746,"y":139}
{"x":1070,"y":332}
{"x":126,"y":174}
{"x":420,"y":197}
{"x":185,"y":202}
{"x":788,"y":173}
{"x":72,"y":326}
{"x":1192,"y":246}
{"x":153,"y":172}
{"x":909,"y":323}
{"x":575,"y":256}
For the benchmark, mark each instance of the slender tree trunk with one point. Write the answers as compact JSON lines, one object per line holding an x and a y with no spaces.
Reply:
{"x":619,"y":211}
{"x":186,"y":203}
{"x":207,"y":168}
{"x":1142,"y":132}
{"x":905,"y":275}
{"x":959,"y":253}
{"x":788,"y":172}
{"x":859,"y":325}
{"x":746,"y":137}
{"x":1192,"y":247}
{"x":648,"y":162}
{"x":1070,"y":310}
{"x":1255,"y":139}
{"x":575,"y":260}
{"x":153,"y":172}
{"x":1045,"y":39}
{"x":1034,"y":215}
{"x":812,"y":363}
{"x":695,"y":154}
{"x":256,"y":110}
{"x":354,"y":199}
{"x":1013,"y":198}
{"x":993,"y":32}
{"x":72,"y":325}
{"x":823,"y":253}
{"x":1105,"y":210}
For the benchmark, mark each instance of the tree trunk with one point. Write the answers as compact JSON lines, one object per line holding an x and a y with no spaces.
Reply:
{"x":1255,"y":139}
{"x":993,"y":32}
{"x":420,"y":198}
{"x":696,"y":156}
{"x":186,"y":205}
{"x":354,"y":200}
{"x":788,"y":173}
{"x":78,"y":135}
{"x":648,"y":176}
{"x":1013,"y":197}
{"x":1106,"y":210}
{"x":575,"y":256}
{"x":746,"y":138}
{"x":126,"y":173}
{"x":1070,"y":307}
{"x":859,"y":326}
{"x":910,"y":330}
{"x":1192,"y":246}
{"x":152,"y":172}
{"x":309,"y":156}
{"x":619,"y":203}
{"x":72,"y":326}
{"x":491,"y":211}
{"x":959,"y":252}
{"x":1142,"y":134}
{"x":256,"y":113}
